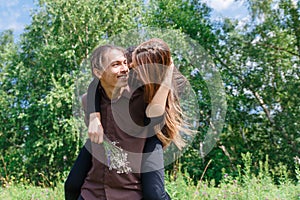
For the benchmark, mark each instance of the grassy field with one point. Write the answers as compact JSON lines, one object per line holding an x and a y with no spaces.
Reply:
{"x":232,"y":189}
{"x":25,"y":192}
{"x":181,"y":189}
{"x":246,"y":186}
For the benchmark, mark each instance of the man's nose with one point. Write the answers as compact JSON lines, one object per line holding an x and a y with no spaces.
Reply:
{"x":124,"y":67}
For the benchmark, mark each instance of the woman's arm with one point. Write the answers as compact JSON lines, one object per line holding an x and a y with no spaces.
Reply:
{"x":157,"y":106}
{"x":91,"y":107}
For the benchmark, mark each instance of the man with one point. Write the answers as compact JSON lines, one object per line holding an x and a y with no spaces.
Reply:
{"x":109,"y":66}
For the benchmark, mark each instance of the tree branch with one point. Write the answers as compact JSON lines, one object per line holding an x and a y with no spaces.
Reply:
{"x":257,"y":96}
{"x":278,"y":48}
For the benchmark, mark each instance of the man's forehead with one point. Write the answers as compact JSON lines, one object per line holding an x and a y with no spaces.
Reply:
{"x":113,"y":56}
{"x":116,"y":56}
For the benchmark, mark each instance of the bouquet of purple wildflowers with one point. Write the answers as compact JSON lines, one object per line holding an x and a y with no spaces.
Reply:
{"x":116,"y":157}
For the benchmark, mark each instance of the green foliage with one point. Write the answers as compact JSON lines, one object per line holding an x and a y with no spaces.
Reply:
{"x":190,"y":17}
{"x":259,"y":62}
{"x":41,"y":137}
{"x":41,"y":129}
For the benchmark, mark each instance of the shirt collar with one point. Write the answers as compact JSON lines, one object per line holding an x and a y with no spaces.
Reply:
{"x":125,"y":93}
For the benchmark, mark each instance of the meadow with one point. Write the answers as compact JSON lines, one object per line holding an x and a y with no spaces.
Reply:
{"x":179,"y":189}
{"x":180,"y":186}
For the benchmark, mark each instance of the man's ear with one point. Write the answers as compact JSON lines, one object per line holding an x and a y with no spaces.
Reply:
{"x":97,"y":73}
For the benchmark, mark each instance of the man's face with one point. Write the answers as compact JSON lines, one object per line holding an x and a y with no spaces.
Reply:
{"x":116,"y":72}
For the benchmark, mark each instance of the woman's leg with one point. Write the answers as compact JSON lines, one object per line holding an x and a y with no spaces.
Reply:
{"x":80,"y":198}
{"x":153,"y":182}
{"x":78,"y":173}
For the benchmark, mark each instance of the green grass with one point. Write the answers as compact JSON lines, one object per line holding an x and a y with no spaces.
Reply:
{"x":28,"y":192}
{"x":180,"y":189}
{"x":246,"y":186}
{"x":231,"y":189}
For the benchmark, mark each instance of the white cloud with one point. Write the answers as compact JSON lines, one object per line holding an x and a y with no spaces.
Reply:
{"x":219,"y":5}
{"x":10,"y":20}
{"x":227,"y":8}
{"x":10,"y":3}
{"x":16,"y":26}
{"x":14,"y":14}
{"x":294,"y":2}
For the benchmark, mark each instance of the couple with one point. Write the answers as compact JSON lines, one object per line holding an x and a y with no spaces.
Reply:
{"x":140,"y":115}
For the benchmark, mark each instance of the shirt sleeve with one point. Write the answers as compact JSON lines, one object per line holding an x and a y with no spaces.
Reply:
{"x":84,"y":106}
{"x":93,"y":97}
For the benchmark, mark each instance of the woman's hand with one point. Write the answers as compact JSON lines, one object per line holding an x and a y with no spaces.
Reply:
{"x":95,"y":129}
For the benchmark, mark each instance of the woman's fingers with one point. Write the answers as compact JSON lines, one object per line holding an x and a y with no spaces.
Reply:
{"x":95,"y":131}
{"x":100,"y":134}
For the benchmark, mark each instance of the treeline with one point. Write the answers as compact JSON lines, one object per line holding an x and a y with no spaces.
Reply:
{"x":42,"y":77}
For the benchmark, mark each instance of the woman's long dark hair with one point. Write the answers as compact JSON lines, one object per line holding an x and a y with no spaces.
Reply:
{"x":150,"y":60}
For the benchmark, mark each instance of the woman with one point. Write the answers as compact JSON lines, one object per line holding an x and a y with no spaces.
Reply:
{"x":154,"y":66}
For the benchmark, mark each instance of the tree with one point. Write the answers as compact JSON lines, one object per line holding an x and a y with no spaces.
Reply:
{"x":193,"y":19}
{"x":11,"y":160}
{"x":260,"y":65}
{"x":61,"y":35}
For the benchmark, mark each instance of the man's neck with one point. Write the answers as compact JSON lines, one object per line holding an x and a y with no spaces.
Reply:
{"x":112,"y":92}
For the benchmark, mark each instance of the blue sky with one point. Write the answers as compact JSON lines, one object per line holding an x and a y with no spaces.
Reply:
{"x":15,"y":14}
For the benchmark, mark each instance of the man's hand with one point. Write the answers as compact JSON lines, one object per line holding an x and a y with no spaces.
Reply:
{"x":95,"y":130}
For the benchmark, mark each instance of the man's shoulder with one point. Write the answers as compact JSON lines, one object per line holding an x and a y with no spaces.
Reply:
{"x":84,"y":101}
